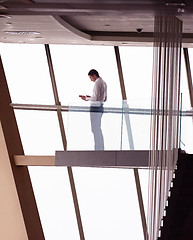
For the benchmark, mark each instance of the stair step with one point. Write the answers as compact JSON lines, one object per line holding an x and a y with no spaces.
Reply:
{"x":186,"y":179}
{"x":179,"y":210}
{"x":171,"y":233}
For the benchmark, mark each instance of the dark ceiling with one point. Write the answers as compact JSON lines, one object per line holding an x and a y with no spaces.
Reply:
{"x":107,"y":22}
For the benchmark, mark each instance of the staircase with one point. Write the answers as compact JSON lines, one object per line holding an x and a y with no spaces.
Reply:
{"x":178,"y":222}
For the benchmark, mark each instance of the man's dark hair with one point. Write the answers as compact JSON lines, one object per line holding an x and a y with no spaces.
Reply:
{"x":93,"y":72}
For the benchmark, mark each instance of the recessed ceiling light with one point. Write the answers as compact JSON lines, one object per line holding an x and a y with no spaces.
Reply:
{"x":177,"y":4}
{"x":181,"y":10}
{"x":22,"y":32}
{"x":38,"y":37}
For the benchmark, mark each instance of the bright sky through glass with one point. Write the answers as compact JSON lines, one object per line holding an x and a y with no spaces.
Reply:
{"x":107,"y":197}
{"x":186,"y":122}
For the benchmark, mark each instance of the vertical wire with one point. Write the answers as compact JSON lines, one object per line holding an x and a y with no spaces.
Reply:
{"x":178,"y":86}
{"x":167,"y":129}
{"x":165,"y":126}
{"x":152,"y":141}
{"x":179,"y":77}
{"x":180,"y":129}
{"x":121,"y":142}
{"x":152,"y":137}
{"x":164,"y":123}
{"x":166,"y":77}
{"x":157,"y":128}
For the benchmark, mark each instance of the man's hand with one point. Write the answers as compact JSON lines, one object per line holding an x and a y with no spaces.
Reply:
{"x":83,"y":97}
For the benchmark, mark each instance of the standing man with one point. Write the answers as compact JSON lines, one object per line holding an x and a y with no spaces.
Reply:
{"x":97,"y":99}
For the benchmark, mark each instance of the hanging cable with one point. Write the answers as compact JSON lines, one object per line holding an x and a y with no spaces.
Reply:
{"x":164,"y":126}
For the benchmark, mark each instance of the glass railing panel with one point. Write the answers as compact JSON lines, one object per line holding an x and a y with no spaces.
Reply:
{"x":80,"y":136}
{"x":39,"y":131}
{"x":114,"y":125}
{"x":140,"y":128}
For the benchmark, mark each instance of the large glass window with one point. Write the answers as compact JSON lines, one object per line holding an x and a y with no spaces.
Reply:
{"x":107,"y":197}
{"x":27,"y":73}
{"x":186,"y":122}
{"x":137,"y":71}
{"x":72,"y":64}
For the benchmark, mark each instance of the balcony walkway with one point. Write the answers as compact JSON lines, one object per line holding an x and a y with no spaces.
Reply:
{"x":118,"y":159}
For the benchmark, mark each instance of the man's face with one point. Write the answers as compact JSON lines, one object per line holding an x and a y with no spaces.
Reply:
{"x":92,"y":78}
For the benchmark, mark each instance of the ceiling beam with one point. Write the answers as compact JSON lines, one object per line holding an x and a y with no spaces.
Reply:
{"x":71,"y":28}
{"x":96,"y":6}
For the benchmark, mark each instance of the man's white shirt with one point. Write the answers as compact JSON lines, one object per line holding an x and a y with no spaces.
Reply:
{"x":99,"y":93}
